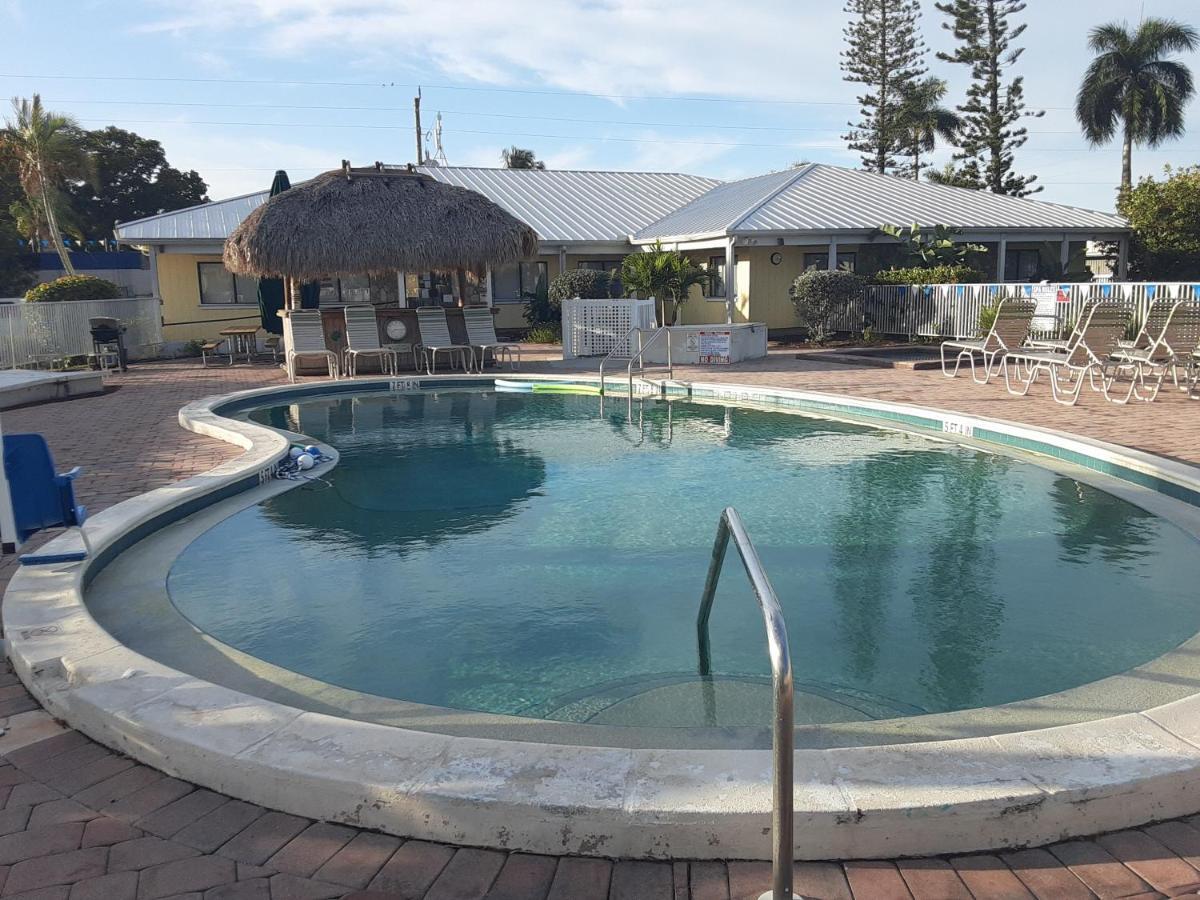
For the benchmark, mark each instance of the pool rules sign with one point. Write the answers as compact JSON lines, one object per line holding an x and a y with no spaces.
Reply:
{"x":712,"y":347}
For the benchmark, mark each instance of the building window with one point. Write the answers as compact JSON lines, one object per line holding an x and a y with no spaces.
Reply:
{"x":1022,"y":265}
{"x":355,"y":289}
{"x":220,"y":287}
{"x":715,"y":289}
{"x":821,"y":261}
{"x":515,"y":282}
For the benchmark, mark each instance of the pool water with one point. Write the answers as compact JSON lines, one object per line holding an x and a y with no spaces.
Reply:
{"x":529,"y":554}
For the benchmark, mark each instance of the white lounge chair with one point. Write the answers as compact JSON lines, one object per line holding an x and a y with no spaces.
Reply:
{"x":435,"y":339}
{"x":308,"y":339}
{"x":1014,"y":320}
{"x":1168,"y":350}
{"x":1086,"y":357}
{"x":362,"y":339}
{"x":481,"y":332}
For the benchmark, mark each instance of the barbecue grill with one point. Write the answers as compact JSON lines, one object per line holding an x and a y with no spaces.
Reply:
{"x":108,"y":343}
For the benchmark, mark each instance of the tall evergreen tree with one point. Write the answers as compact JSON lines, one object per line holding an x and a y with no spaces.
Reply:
{"x":995,"y":103}
{"x":884,"y":53}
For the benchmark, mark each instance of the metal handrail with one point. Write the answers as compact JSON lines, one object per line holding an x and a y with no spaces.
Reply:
{"x":783,"y":740}
{"x":615,"y":354}
{"x":637,"y":356}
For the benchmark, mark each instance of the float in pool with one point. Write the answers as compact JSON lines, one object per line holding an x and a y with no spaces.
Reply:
{"x":489,"y":583}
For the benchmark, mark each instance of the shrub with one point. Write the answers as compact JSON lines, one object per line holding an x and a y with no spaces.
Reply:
{"x":73,"y":287}
{"x":957,"y":274}
{"x":1165,"y":216}
{"x":544,"y":334}
{"x":820,"y":295}
{"x":987,"y":318}
{"x":588,"y":284}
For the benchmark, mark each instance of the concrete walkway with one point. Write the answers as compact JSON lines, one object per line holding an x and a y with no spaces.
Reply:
{"x":78,"y":821}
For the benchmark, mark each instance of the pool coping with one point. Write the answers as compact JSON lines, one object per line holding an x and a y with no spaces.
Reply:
{"x":936,"y":797}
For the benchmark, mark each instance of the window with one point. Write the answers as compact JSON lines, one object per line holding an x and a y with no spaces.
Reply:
{"x":512,"y":283}
{"x":220,"y":287}
{"x":716,"y":278}
{"x":1022,"y":265}
{"x":821,"y":261}
{"x":355,"y":289}
{"x":605,"y":265}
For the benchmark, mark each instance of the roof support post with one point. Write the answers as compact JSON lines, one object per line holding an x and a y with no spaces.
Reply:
{"x":562,"y":259}
{"x":1001,"y":256}
{"x":487,"y":287}
{"x":1123,"y":259}
{"x":833,"y":250}
{"x":1064,"y":255}
{"x":730,"y":280}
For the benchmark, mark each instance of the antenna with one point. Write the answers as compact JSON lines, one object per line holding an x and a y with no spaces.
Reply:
{"x":439,"y":152}
{"x":417,"y":121}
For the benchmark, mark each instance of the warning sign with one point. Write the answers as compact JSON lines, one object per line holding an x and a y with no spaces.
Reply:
{"x":714,"y":348}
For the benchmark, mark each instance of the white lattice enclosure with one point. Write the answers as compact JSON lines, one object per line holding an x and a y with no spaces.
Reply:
{"x":597,"y":327}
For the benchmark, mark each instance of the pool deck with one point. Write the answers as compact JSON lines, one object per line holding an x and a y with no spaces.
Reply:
{"x":79,"y":821}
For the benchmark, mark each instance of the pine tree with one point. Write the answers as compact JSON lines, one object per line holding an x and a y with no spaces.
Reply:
{"x":995,"y":103}
{"x":884,"y":52}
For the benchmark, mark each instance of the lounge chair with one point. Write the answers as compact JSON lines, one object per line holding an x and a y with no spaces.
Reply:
{"x":362,"y":339}
{"x":1167,"y":351}
{"x":481,"y":332}
{"x":1156,"y":320}
{"x":1014,"y":320}
{"x":435,"y":339}
{"x":41,"y":498}
{"x":1085,"y":358}
{"x":308,"y":339}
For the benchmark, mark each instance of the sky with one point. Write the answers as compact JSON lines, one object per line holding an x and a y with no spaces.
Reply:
{"x":238,"y":88}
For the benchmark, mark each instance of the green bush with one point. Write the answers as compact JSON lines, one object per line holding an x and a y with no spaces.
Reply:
{"x":987,"y":318}
{"x":589,"y":284}
{"x":957,"y":274}
{"x":821,"y":295}
{"x":73,"y":287}
{"x":544,"y":334}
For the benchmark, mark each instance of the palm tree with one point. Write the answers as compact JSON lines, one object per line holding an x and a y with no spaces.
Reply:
{"x":665,"y":274}
{"x":47,"y":150}
{"x":1130,"y":81}
{"x":515,"y":157}
{"x":921,"y":120}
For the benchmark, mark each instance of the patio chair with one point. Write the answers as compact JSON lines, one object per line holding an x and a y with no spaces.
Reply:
{"x":1014,"y":320}
{"x":1156,"y":320}
{"x":362,"y":339}
{"x":308,"y":339}
{"x":1168,"y":351}
{"x":435,"y":339}
{"x":1085,"y":358}
{"x":213,"y":349}
{"x":41,"y":498}
{"x":481,"y":332}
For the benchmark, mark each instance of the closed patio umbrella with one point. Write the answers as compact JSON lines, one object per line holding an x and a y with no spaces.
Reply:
{"x":270,"y":290}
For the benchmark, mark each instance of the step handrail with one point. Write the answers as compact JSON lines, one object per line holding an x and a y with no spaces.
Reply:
{"x":783,"y":732}
{"x":619,"y":351}
{"x":637,"y":356}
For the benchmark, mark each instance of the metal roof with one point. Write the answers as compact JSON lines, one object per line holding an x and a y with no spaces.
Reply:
{"x":579,"y":205}
{"x":207,"y":222}
{"x":561,"y":206}
{"x":821,"y":198}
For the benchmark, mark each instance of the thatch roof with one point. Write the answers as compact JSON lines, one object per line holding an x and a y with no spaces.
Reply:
{"x":356,"y":221}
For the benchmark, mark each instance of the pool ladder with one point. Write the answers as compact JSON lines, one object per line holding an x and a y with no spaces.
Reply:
{"x":622,"y":352}
{"x":784,"y":730}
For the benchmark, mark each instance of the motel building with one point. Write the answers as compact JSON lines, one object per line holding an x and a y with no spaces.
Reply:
{"x":755,"y":235}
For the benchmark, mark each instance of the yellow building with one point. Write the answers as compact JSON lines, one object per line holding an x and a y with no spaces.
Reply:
{"x":764,"y":231}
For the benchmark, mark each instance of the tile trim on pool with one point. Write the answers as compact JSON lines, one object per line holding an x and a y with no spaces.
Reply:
{"x":894,"y":800}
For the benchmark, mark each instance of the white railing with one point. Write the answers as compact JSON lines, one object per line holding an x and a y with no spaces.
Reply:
{"x":33,"y":334}
{"x":952,"y":310}
{"x":597,"y":327}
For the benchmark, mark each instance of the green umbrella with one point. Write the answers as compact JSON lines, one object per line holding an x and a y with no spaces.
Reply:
{"x":270,"y":290}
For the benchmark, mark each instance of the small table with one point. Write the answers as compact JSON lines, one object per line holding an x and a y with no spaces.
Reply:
{"x":243,"y":339}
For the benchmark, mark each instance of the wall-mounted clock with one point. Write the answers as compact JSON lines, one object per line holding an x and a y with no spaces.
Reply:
{"x":776,"y":258}
{"x":396,"y":329}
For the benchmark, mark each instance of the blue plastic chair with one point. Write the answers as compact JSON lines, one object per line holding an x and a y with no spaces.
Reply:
{"x":41,"y":498}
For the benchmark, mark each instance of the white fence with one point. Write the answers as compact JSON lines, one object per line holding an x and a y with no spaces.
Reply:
{"x":952,"y":310}
{"x":34,"y":334}
{"x":597,"y":327}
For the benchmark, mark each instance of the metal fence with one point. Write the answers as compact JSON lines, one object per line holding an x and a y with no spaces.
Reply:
{"x":43,"y":334}
{"x":952,"y":310}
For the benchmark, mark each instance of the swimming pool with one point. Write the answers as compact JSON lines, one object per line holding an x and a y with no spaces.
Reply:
{"x":531,"y":555}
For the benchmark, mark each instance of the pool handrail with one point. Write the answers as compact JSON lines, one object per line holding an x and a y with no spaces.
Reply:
{"x":783,"y":732}
{"x":636,"y":357}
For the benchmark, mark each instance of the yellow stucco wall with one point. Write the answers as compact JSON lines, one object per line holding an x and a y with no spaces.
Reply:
{"x":179,"y":286}
{"x":699,"y":310}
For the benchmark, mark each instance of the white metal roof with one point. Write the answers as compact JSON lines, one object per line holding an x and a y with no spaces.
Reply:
{"x":206,"y":222}
{"x":821,"y":198}
{"x":561,"y":206}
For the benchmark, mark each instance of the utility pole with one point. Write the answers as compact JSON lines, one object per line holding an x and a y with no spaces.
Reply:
{"x":417,"y":118}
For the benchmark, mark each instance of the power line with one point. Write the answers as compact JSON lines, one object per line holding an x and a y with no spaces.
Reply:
{"x":459,"y":112}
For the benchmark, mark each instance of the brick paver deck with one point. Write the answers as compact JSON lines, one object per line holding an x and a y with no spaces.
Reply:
{"x":78,"y":821}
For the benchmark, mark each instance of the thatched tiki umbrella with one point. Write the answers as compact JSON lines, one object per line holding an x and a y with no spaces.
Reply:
{"x":374,"y":221}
